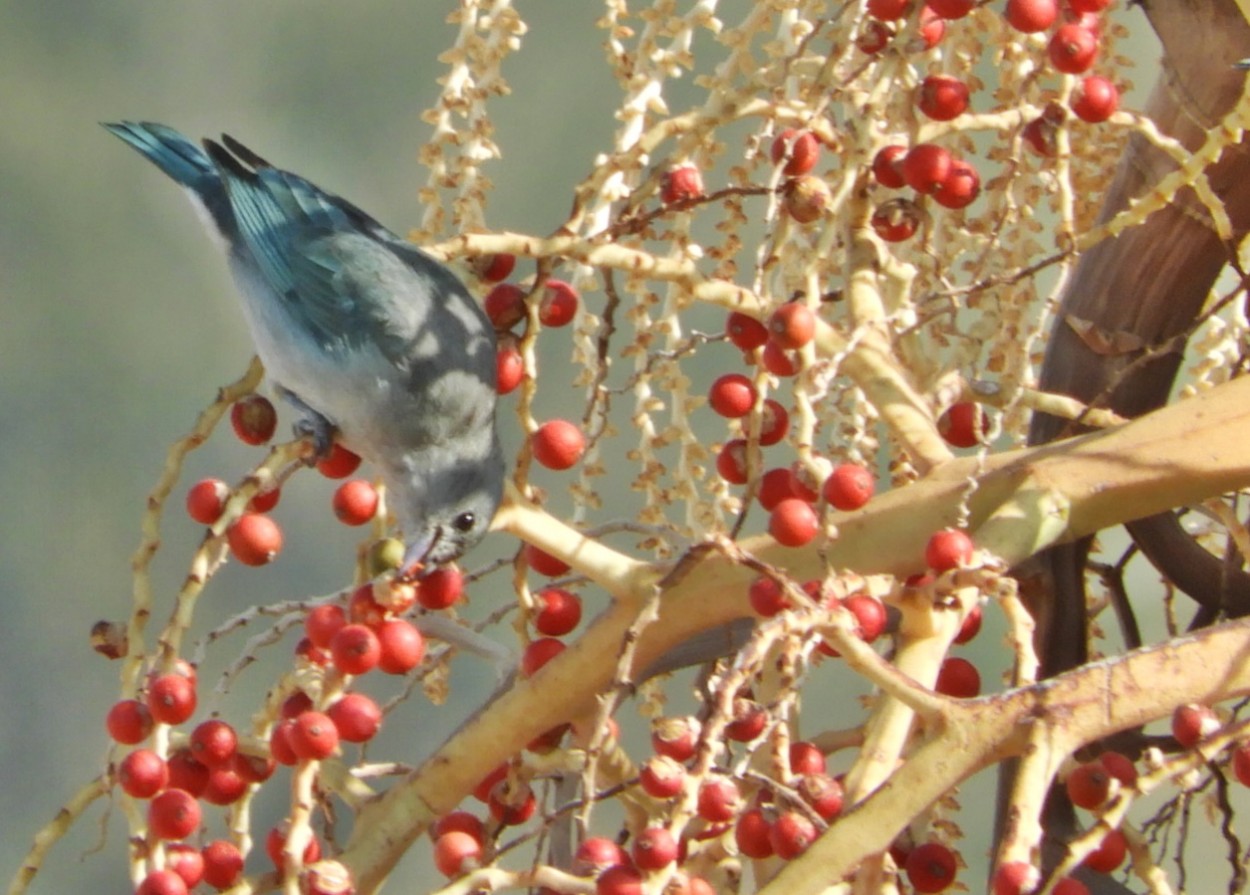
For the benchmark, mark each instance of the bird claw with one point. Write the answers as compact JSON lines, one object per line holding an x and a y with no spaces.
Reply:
{"x":311,"y":425}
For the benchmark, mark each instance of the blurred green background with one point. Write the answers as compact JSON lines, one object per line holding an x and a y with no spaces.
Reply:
{"x":118,"y":321}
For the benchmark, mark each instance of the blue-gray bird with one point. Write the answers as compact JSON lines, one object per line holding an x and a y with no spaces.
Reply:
{"x":368,"y":336}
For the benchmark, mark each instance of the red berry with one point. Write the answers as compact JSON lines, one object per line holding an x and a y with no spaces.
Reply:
{"x":926,"y":166}
{"x":931,"y":867}
{"x":327,"y":877}
{"x":223,"y":863}
{"x":749,"y":720}
{"x":280,"y":743}
{"x":777,"y":485}
{"x":213,"y":742}
{"x":162,"y":882}
{"x":793,"y":522}
{"x":971,"y":625}
{"x":1039,"y":136}
{"x":948,"y":549}
{"x":806,"y":758}
{"x":355,"y":502}
{"x":558,"y":444}
{"x":505,"y":305}
{"x":323,"y":622}
{"x":1088,"y":7}
{"x":253,"y":419}
{"x":1015,"y":878}
{"x":441,"y":588}
{"x":142,"y":774}
{"x":889,"y":10}
{"x":960,"y":188}
{"x":873,"y":37}
{"x":799,"y":149}
{"x":461,"y":821}
{"x":719,"y":799}
{"x":596,"y":854}
{"x":952,"y":9}
{"x":1192,"y":723}
{"x":128,"y":722}
{"x":226,"y":783}
{"x":870,"y":616}
{"x":791,"y":834}
{"x":456,"y":853}
{"x":355,"y":649}
{"x":1089,"y":785}
{"x":1070,"y":886}
{"x":339,"y":464}
{"x":958,"y":678}
{"x":1241,"y":763}
{"x":1120,"y":767}
{"x":559,"y":611}
{"x":654,"y":849}
{"x":732,"y":395}
{"x":619,"y":880}
{"x":186,"y":773}
{"x":753,"y":833}
{"x":255,"y":768}
{"x":1072,"y":49}
{"x":1110,"y":853}
{"x":1031,"y":16}
{"x":275,"y":846}
{"x":778,"y":360}
{"x":174,"y":814}
{"x":511,"y":804}
{"x":774,"y":422}
{"x":681,"y":183}
{"x":848,"y":487}
{"x":932,"y":27}
{"x":206,"y":499}
{"x":313,"y":736}
{"x":942,"y":98}
{"x":675,"y":737}
{"x":792,"y":325}
{"x":364,"y":609}
{"x":493,"y":268}
{"x":887,"y":166}
{"x":171,"y":698}
{"x":767,"y":597}
{"x":509,"y":368}
{"x":186,"y":861}
{"x":254,"y":539}
{"x":544,"y":563}
{"x":896,"y":220}
{"x":823,"y":793}
{"x":538,"y":653}
{"x":558,"y":304}
{"x":264,"y":501}
{"x":662,"y":777}
{"x":1096,"y":99}
{"x":746,"y":332}
{"x":402,"y":646}
{"x":356,"y":717}
{"x":731,"y":462}
{"x":963,"y":424}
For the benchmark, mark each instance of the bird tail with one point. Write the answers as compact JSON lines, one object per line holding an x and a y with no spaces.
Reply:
{"x":183,"y":161}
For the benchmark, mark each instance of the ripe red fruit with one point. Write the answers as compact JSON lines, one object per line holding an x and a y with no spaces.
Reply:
{"x":675,"y":737}
{"x":662,"y":777}
{"x":355,"y":649}
{"x":963,"y":424}
{"x":745,"y":331}
{"x":174,"y":814}
{"x":889,"y":10}
{"x":654,"y":849}
{"x":749,"y":720}
{"x":511,"y":803}
{"x":1039,"y":136}
{"x":718,"y":800}
{"x":1110,"y":853}
{"x":128,"y":722}
{"x":1070,"y":886}
{"x":275,"y":845}
{"x":931,"y":867}
{"x":971,"y":625}
{"x":280,"y":743}
{"x":799,"y":149}
{"x":461,"y":821}
{"x":793,"y":522}
{"x":1096,"y":99}
{"x":441,"y":588}
{"x":806,"y":758}
{"x":932,"y":27}
{"x":558,"y":444}
{"x":544,"y":563}
{"x":681,"y":183}
{"x":253,"y":419}
{"x":213,"y":742}
{"x":823,"y":793}
{"x":456,"y":853}
{"x":509,"y":368}
{"x":887,"y":166}
{"x":767,"y":597}
{"x":753,"y":833}
{"x":313,"y":736}
{"x":186,"y":773}
{"x":732,"y":395}
{"x":355,"y":502}
{"x":870,"y":615}
{"x":206,"y":499}
{"x":538,"y":653}
{"x":186,"y":861}
{"x":1072,"y":49}
{"x":848,"y":487}
{"x":1120,"y":767}
{"x":505,"y":306}
{"x":162,"y":882}
{"x":254,"y":539}
{"x":356,"y":717}
{"x":1192,"y":723}
{"x":323,"y":622}
{"x":559,"y":611}
{"x":619,"y":880}
{"x":958,"y":678}
{"x":948,"y":549}
{"x":791,"y":834}
{"x":558,"y":304}
{"x":493,"y":268}
{"x":775,"y":486}
{"x":961,"y":186}
{"x":596,"y":854}
{"x":402,"y":646}
{"x":792,"y":325}
{"x":1241,"y":763}
{"x":1015,"y":878}
{"x":774,"y":422}
{"x":363,"y":607}
{"x":1031,"y":16}
{"x":327,"y":877}
{"x":142,"y":774}
{"x":951,"y":9}
{"x":926,"y":166}
{"x":942,"y":98}
{"x":731,"y":462}
{"x":896,"y":220}
{"x":226,"y":783}
{"x":339,"y":464}
{"x":778,"y":360}
{"x":264,"y":501}
{"x":171,"y":698}
{"x":1089,"y":785}
{"x":873,"y":37}
{"x":223,"y":863}
{"x":1088,"y":7}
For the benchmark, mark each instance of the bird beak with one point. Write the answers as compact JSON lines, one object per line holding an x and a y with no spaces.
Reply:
{"x":414,"y":556}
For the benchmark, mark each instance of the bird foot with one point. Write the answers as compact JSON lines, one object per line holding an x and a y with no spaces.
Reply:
{"x":311,"y":425}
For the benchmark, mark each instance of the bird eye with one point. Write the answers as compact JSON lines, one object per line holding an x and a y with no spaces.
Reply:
{"x":464,"y":522}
